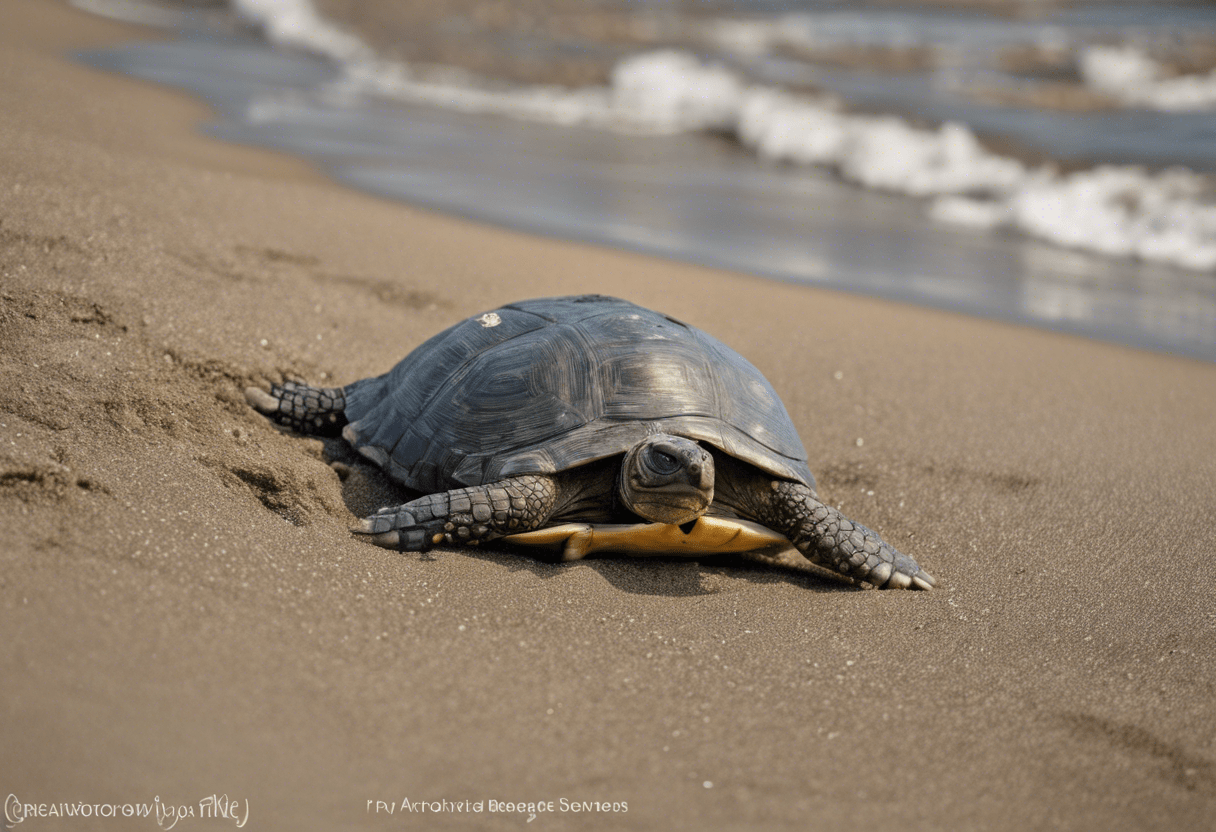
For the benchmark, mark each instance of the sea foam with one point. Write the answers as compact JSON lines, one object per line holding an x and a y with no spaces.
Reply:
{"x":1129,"y":75}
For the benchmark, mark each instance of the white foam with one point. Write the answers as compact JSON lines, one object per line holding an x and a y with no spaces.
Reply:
{"x":785,"y":127}
{"x":1123,"y":211}
{"x":1132,"y":77}
{"x":654,"y":93}
{"x":456,"y":90}
{"x":881,"y":152}
{"x":297,"y":23}
{"x":890,"y":154}
{"x":675,"y":91}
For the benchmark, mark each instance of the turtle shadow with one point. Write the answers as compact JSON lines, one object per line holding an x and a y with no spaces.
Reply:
{"x":366,"y":489}
{"x":707,"y":575}
{"x":671,"y":577}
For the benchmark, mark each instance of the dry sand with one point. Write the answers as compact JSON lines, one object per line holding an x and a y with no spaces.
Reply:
{"x":184,"y":612}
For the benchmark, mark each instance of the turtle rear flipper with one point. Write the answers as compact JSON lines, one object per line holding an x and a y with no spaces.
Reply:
{"x":318,"y":411}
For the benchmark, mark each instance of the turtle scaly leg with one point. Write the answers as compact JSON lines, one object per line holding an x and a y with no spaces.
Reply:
{"x":318,"y":411}
{"x":465,"y":515}
{"x":826,"y":537}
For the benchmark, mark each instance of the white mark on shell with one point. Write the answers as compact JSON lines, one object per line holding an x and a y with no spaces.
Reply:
{"x":489,"y":319}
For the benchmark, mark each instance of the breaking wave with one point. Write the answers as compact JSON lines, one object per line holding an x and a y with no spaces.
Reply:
{"x":1167,"y":217}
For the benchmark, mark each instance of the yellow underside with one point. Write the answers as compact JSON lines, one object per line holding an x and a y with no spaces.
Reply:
{"x":708,"y":536}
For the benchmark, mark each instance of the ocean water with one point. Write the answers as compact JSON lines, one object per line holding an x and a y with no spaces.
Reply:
{"x":686,"y":158}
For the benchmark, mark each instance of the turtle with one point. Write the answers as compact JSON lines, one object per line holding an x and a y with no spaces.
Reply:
{"x":588,"y":423}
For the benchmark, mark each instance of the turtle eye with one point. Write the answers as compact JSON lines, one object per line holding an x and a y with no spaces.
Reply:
{"x":663,"y":463}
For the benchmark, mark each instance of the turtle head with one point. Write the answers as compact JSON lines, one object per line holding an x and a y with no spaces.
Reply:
{"x":667,"y":479}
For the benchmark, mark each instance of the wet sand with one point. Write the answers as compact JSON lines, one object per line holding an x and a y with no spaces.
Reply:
{"x":185,"y":612}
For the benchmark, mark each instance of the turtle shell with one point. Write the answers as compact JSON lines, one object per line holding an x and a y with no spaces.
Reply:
{"x":546,"y":385}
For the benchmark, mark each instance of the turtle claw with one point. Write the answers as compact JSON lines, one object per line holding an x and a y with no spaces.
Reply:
{"x":386,"y":520}
{"x":899,"y":581}
{"x":392,"y":530}
{"x":366,"y":526}
{"x":905,"y":573}
{"x":379,"y":529}
{"x":318,"y":411}
{"x":383,"y":531}
{"x":880,"y":574}
{"x":261,"y":401}
{"x":389,"y":540}
{"x":396,"y":528}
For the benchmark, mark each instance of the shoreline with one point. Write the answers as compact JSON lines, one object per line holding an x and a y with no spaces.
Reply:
{"x":787,"y":225}
{"x":188,"y":613}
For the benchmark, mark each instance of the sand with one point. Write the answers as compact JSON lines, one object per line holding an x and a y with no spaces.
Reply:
{"x":185,"y":614}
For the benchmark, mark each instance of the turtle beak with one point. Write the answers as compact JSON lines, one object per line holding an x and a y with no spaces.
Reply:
{"x":701,"y":471}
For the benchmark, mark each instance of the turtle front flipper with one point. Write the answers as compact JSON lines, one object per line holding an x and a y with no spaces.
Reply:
{"x":826,"y":537}
{"x":319,"y":411}
{"x":464,"y":515}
